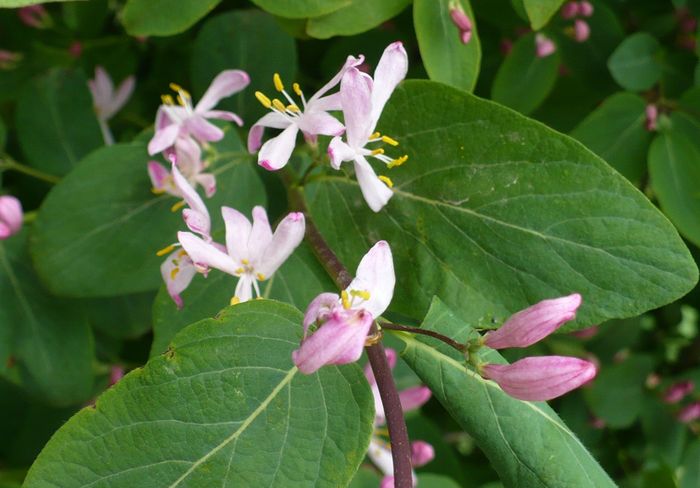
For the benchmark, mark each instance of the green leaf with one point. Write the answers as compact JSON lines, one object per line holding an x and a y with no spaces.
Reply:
{"x":205,"y":297}
{"x":87,"y":18}
{"x":616,"y":385}
{"x":49,"y":339}
{"x":56,"y":124}
{"x":665,"y":436}
{"x":125,"y":316}
{"x":428,"y":480}
{"x":523,"y":80}
{"x":674,"y":167}
{"x":3,"y":134}
{"x":236,"y":40}
{"x":635,"y":64}
{"x":24,"y":3}
{"x":615,"y":132}
{"x":301,"y":9}
{"x":541,"y":11}
{"x":493,"y":212}
{"x":690,"y":474}
{"x":526,"y":442}
{"x":224,"y":407}
{"x":163,"y":17}
{"x":99,"y":229}
{"x":444,"y":56}
{"x":359,"y":16}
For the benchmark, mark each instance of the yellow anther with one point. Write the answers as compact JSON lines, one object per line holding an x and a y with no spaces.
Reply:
{"x":239,"y":270}
{"x":263,"y":99}
{"x":166,"y":250}
{"x":278,"y":82}
{"x":182,"y":253}
{"x":390,"y":141}
{"x":181,"y":100}
{"x":386,"y":181}
{"x":376,"y":135}
{"x":175,"y":87}
{"x":260,"y":277}
{"x":292,"y":108}
{"x":177,"y":206}
{"x":364,"y":294}
{"x":157,"y":191}
{"x":235,"y":300}
{"x":297,"y":89}
{"x":397,"y":161}
{"x":174,"y":272}
{"x":377,"y":151}
{"x":278,"y":105}
{"x":345,"y":299}
{"x":167,"y":100}
{"x":245,"y":261}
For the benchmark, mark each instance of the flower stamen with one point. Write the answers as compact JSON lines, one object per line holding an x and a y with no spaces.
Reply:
{"x":386,"y":181}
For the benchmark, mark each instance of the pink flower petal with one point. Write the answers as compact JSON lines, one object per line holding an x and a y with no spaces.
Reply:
{"x":391,"y":69}
{"x":273,"y":120}
{"x":287,"y":237}
{"x":11,"y":215}
{"x":238,"y":229}
{"x":315,"y":122}
{"x":260,"y":235}
{"x":338,"y":152}
{"x":224,"y":85}
{"x":177,"y":281}
{"x":375,"y":274}
{"x":319,"y":309}
{"x":202,"y":129}
{"x":375,"y":192}
{"x":163,"y":139}
{"x":356,"y":97}
{"x":275,"y":153}
{"x":415,"y":397}
{"x":421,"y":453}
{"x":204,"y":254}
{"x":223,"y":115}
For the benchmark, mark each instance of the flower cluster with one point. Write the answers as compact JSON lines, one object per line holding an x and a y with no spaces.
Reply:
{"x":578,"y":11}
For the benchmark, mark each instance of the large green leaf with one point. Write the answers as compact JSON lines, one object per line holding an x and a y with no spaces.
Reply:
{"x":225,"y":407}
{"x":359,"y":16}
{"x":56,"y":124}
{"x":237,"y":40}
{"x":615,"y":132}
{"x":635,"y":63}
{"x":163,"y":17}
{"x":540,"y":11}
{"x":24,"y":3}
{"x":524,"y":80}
{"x":526,"y":442}
{"x":444,"y":56}
{"x":49,"y":339}
{"x":98,"y":231}
{"x":300,"y":9}
{"x":674,"y":167}
{"x":298,"y":281}
{"x":493,"y":212}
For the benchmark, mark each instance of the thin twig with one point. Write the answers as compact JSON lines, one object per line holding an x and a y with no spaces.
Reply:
{"x":431,"y":333}
{"x":7,"y":163}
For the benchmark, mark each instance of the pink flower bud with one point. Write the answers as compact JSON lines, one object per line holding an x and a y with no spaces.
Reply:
{"x":465,"y":37}
{"x":34,"y":16}
{"x":652,"y":381}
{"x":582,"y":30}
{"x":540,"y":378}
{"x":11,"y":216}
{"x":689,"y":413}
{"x":421,"y":453}
{"x":544,"y":46}
{"x":387,"y":482}
{"x":678,"y":391}
{"x":586,"y":333}
{"x":461,"y":20}
{"x":9,"y":59}
{"x":570,"y":10}
{"x":534,"y":323}
{"x":597,"y":423}
{"x":585,"y":9}
{"x":652,"y":114}
{"x":115,"y":374}
{"x":506,"y":46}
{"x":75,"y":49}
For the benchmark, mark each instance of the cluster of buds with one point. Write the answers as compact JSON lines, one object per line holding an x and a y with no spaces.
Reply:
{"x":578,"y":11}
{"x":461,"y":21}
{"x":11,"y":216}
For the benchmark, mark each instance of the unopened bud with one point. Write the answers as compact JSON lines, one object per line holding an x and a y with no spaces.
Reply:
{"x":585,"y":9}
{"x":652,"y":115}
{"x":35,"y":16}
{"x":421,"y":453}
{"x":689,"y":413}
{"x":544,"y":46}
{"x":11,"y":216}
{"x":462,"y":22}
{"x":678,"y":391}
{"x":582,"y":31}
{"x":115,"y":374}
{"x":570,"y":10}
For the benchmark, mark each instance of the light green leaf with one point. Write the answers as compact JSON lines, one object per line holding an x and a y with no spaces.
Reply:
{"x":526,"y":442}
{"x":523,"y":80}
{"x":493,"y":212}
{"x":301,"y":9}
{"x":24,"y":3}
{"x":224,"y":407}
{"x":674,"y":168}
{"x":690,"y":474}
{"x":615,"y":132}
{"x":428,"y":480}
{"x":98,"y":231}
{"x":163,"y":17}
{"x":56,"y":124}
{"x":298,"y":282}
{"x":49,"y":339}
{"x":358,"y":17}
{"x":444,"y":56}
{"x":541,"y":11}
{"x":238,"y":40}
{"x":635,"y":63}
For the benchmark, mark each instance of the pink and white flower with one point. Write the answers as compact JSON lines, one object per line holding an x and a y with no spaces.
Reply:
{"x":253,"y":253}
{"x":106,"y":101}
{"x":182,"y":119}
{"x":345,"y":320}
{"x":11,"y":216}
{"x":312,"y":119}
{"x":363,"y":100}
{"x":187,"y":155}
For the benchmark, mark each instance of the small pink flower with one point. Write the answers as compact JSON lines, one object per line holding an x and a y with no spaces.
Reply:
{"x":35,"y":16}
{"x":461,"y":21}
{"x":678,"y":391}
{"x":597,"y":423}
{"x":544,"y":46}
{"x":689,"y":413}
{"x":652,"y":114}
{"x":582,"y":30}
{"x":540,"y":378}
{"x":11,"y":216}
{"x":115,"y":374}
{"x":421,"y":453}
{"x":187,"y":156}
{"x":585,"y":9}
{"x":570,"y":10}
{"x":106,"y":100}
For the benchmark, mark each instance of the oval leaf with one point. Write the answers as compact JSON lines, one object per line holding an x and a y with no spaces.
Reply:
{"x":541,"y":11}
{"x":511,"y":211}
{"x":634,"y":64}
{"x":444,"y":56}
{"x":300,"y":9}
{"x":359,"y":16}
{"x":163,"y":17}
{"x":224,"y":407}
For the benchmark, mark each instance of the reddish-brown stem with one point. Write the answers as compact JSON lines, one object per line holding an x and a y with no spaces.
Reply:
{"x":417,"y":330}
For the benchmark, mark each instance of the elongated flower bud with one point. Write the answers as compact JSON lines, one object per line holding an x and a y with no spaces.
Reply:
{"x":689,"y":413}
{"x":652,"y":115}
{"x":540,"y":378}
{"x":678,"y":391}
{"x":10,"y":216}
{"x":534,"y":323}
{"x":585,"y":9}
{"x":462,"y":22}
{"x":582,"y":31}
